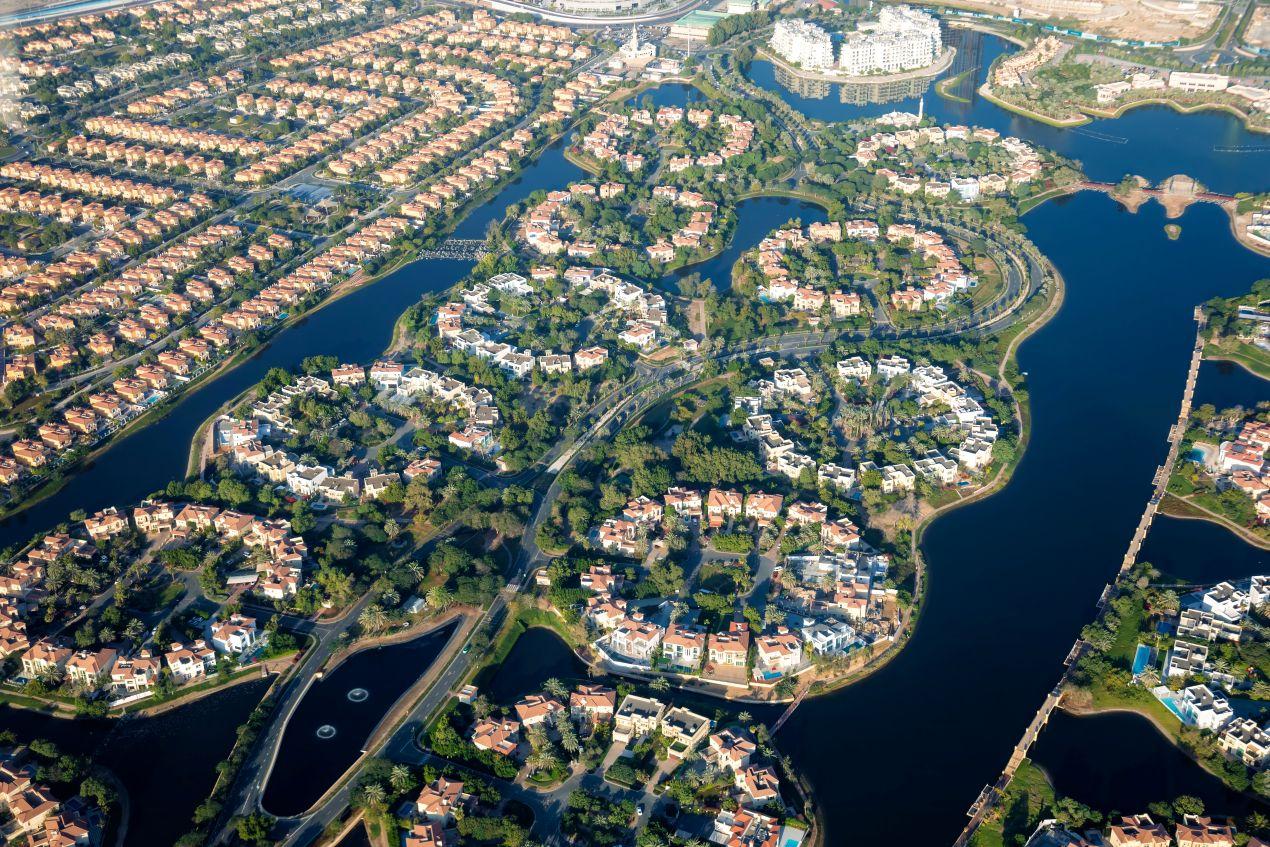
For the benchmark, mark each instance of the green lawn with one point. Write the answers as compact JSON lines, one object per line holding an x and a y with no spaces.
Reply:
{"x":1248,"y":355}
{"x":1027,"y":800}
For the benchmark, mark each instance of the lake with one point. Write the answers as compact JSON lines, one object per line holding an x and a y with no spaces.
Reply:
{"x":330,"y":726}
{"x":167,"y":763}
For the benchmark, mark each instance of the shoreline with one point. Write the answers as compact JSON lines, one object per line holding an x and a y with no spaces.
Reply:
{"x":1169,"y":736}
{"x":1088,"y":114}
{"x":935,"y":68}
{"x":999,"y":482}
{"x":1239,"y":362}
{"x":1239,"y":228}
{"x":1210,"y":517}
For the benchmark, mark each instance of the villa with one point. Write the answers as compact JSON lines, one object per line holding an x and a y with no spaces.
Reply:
{"x":439,"y":799}
{"x":684,"y":646}
{"x":501,"y":736}
{"x":1138,"y":831}
{"x":636,"y":640}
{"x":236,"y":634}
{"x":637,"y":717}
{"x":777,"y":654}
{"x":1204,"y":709}
{"x":595,"y":703}
{"x":684,"y":730}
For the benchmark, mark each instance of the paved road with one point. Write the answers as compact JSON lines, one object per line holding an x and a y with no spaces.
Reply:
{"x":674,"y":13}
{"x":649,"y":386}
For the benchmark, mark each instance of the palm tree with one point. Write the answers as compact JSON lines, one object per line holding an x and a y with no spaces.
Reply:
{"x":555,"y":688}
{"x":374,"y":796}
{"x":541,"y":761}
{"x":401,"y":778}
{"x":744,"y":717}
{"x":569,"y":738}
{"x":373,"y":618}
{"x":440,"y":598}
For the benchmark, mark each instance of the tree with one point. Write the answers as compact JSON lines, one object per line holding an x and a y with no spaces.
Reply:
{"x":373,"y":618}
{"x":254,"y":828}
{"x":401,"y":779}
{"x":439,"y":598}
{"x":232,"y":491}
{"x":374,"y":797}
{"x":555,"y":688}
{"x":1073,"y":814}
{"x":1188,"y":804}
{"x":99,"y":791}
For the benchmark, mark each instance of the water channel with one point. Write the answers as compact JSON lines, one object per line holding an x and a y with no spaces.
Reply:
{"x":336,"y":716}
{"x":166,"y":763}
{"x":1152,"y":141}
{"x":355,"y":328}
{"x":1012,"y":578}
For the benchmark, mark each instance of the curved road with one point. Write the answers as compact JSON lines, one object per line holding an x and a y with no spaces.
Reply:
{"x":649,"y":387}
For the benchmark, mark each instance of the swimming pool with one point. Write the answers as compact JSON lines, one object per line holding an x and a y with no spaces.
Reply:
{"x":1141,"y":659}
{"x":1172,"y":706}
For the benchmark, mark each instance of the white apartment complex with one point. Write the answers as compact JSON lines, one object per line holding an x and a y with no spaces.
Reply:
{"x":803,"y":44}
{"x":902,"y":39}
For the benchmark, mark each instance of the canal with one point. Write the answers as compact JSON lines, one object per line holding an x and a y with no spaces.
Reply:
{"x":1152,"y":141}
{"x":1011,"y":579}
{"x":755,"y":218}
{"x":355,"y":328}
{"x":329,"y":728}
{"x":166,"y":763}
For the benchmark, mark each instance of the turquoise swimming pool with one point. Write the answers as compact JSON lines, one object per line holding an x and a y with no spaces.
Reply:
{"x":1141,"y":659}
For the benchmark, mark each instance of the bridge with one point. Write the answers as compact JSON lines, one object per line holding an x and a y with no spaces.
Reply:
{"x":457,"y":248}
{"x":789,"y":711}
{"x":1203,"y":196}
{"x":991,"y":795}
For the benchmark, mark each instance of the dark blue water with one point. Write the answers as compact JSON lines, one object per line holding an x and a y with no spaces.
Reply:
{"x":167,"y":763}
{"x":1012,"y":579}
{"x":1151,"y":141}
{"x":337,"y":715}
{"x":1201,"y":552}
{"x":1226,"y":384}
{"x":355,"y":328}
{"x":538,"y":655}
{"x":356,"y":837}
{"x":1101,"y":760}
{"x":756,"y":218}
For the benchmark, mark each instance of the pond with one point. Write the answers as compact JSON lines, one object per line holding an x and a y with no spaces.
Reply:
{"x":1226,"y":384}
{"x":1100,"y":760}
{"x":337,"y":715}
{"x":167,"y":763}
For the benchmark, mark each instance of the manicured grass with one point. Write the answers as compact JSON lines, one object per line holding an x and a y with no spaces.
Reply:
{"x":1027,"y":800}
{"x":1253,"y":358}
{"x":1127,"y":637}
